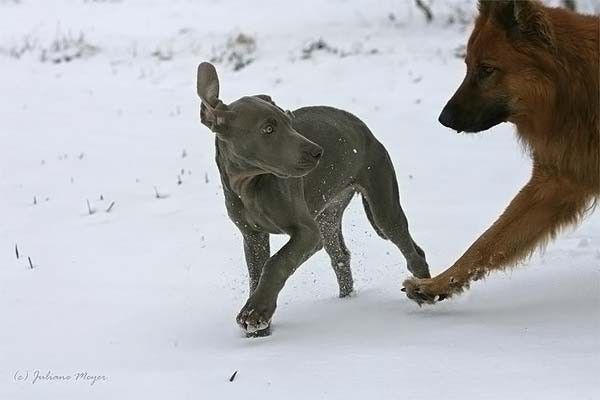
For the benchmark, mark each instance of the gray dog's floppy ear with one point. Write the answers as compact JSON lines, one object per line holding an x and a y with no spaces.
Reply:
{"x":208,"y":84}
{"x":213,"y":113}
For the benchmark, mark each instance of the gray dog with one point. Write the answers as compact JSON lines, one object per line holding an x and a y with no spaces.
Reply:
{"x":294,"y":173}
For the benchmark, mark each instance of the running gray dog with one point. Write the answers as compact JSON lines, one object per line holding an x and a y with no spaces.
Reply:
{"x":294,"y":173}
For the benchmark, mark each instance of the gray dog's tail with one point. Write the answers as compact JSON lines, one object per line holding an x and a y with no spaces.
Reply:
{"x":370,"y":217}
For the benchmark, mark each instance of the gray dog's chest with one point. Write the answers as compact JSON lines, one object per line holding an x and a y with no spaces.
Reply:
{"x":266,"y":204}
{"x":258,"y":217}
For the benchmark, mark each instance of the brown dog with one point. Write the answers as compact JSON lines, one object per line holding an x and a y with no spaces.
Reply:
{"x":538,"y":68}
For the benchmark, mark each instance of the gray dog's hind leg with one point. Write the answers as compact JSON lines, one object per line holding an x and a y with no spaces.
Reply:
{"x":330,"y":225}
{"x":379,"y":232}
{"x":257,"y":252}
{"x":382,"y":205}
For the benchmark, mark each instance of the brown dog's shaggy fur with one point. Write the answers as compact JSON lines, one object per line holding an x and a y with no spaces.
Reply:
{"x":538,"y":68}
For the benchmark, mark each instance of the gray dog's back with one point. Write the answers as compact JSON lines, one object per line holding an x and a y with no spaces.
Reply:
{"x":350,"y":150}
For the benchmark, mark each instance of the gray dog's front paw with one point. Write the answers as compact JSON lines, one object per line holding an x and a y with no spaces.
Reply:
{"x":419,"y":268}
{"x":255,"y":318}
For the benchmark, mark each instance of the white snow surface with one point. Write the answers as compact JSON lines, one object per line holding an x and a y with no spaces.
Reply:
{"x":145,"y":296}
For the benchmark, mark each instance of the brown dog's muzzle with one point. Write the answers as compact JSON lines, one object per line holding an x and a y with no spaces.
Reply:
{"x":476,"y":115}
{"x":448,"y":116}
{"x":472,"y":110}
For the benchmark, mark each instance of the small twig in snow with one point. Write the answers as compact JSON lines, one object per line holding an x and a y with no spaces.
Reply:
{"x":90,"y":211}
{"x":30,"y":263}
{"x":17,"y":251}
{"x":426,"y":10}
{"x":110,"y":207}
{"x":233,"y":376}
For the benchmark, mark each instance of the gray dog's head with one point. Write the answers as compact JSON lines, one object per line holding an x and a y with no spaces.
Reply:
{"x":256,"y":130}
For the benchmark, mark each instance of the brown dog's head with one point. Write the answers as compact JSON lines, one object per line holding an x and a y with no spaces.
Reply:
{"x":256,"y":130}
{"x":507,"y":56}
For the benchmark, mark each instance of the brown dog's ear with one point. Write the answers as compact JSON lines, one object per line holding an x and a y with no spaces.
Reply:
{"x":525,"y":18}
{"x":533,"y":21}
{"x":485,"y":6}
{"x":213,"y":113}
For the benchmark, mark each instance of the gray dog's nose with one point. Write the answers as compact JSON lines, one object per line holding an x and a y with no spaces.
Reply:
{"x":316,"y":153}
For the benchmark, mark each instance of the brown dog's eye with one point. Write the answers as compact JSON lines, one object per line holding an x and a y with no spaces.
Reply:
{"x":486,"y":70}
{"x":268,"y":129}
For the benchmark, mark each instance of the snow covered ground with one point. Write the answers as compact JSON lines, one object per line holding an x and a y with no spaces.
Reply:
{"x":98,"y":105}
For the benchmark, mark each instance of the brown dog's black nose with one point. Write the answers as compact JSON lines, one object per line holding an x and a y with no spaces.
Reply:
{"x":448,"y":116}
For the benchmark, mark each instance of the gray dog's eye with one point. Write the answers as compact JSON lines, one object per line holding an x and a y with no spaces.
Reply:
{"x":268,"y":129}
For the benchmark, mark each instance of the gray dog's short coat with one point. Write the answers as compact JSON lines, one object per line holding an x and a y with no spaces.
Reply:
{"x":294,"y":173}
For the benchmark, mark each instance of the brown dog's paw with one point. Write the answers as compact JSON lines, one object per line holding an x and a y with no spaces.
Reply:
{"x":255,"y":319}
{"x":423,"y":291}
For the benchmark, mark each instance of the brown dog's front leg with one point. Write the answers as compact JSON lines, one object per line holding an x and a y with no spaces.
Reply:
{"x":256,"y":315}
{"x":545,"y":205}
